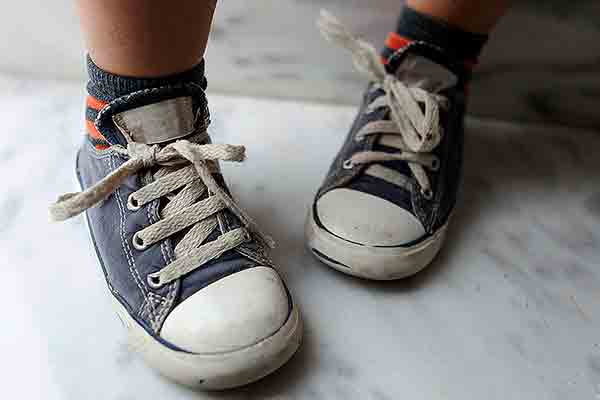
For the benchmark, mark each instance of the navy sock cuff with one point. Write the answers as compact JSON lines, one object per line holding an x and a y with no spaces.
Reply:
{"x":107,"y":86}
{"x":453,"y":40}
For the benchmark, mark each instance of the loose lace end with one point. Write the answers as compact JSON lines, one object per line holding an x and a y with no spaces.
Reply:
{"x":62,"y":210}
{"x":365,"y":57}
{"x":332,"y":29}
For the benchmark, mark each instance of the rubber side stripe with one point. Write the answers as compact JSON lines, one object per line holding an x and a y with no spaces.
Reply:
{"x":331,"y":260}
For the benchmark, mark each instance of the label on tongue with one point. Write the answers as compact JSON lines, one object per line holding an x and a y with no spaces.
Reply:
{"x":158,"y":122}
{"x":422,"y":72}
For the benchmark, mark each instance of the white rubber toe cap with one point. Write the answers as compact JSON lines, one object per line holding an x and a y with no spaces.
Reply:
{"x":234,"y":312}
{"x":366,"y":219}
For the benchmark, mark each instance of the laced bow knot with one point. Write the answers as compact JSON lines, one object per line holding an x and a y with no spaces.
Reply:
{"x":414,"y":111}
{"x":143,"y":156}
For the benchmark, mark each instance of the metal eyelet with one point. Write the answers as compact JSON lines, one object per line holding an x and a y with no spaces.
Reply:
{"x":132,"y":203}
{"x":138,"y":242}
{"x":427,"y":193}
{"x":247,"y":236}
{"x":154,"y":281}
{"x":348,"y":164}
{"x":435,"y":164}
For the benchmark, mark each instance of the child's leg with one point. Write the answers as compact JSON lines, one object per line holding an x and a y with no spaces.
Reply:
{"x":188,"y":270}
{"x":146,"y":39}
{"x":385,"y":205}
{"x":459,"y":27}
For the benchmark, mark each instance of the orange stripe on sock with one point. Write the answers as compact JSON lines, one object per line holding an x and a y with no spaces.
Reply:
{"x":94,"y":103}
{"x":93,"y":131}
{"x":395,"y":41}
{"x":95,"y":134}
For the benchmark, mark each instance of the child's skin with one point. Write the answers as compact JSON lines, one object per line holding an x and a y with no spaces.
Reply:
{"x":159,"y":38}
{"x":143,"y":39}
{"x":469,"y":15}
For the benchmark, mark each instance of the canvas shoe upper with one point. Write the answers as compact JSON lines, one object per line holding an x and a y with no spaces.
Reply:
{"x":394,"y":182}
{"x":187,"y":267}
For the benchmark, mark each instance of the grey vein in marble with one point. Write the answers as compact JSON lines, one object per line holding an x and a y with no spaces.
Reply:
{"x":509,"y":310}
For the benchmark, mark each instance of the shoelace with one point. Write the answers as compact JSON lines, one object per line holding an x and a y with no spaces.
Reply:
{"x":187,"y":166}
{"x":416,"y":131}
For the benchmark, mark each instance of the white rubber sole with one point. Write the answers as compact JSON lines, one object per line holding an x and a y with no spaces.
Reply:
{"x":376,"y":263}
{"x":216,"y":371}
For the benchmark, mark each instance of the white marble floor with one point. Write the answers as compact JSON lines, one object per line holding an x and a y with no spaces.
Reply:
{"x":509,"y":310}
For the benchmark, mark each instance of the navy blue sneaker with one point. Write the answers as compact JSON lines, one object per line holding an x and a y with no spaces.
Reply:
{"x":187,"y":269}
{"x":383,"y":209}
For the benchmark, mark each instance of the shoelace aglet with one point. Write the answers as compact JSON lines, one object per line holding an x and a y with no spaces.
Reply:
{"x":58,"y":211}
{"x":332,"y":28}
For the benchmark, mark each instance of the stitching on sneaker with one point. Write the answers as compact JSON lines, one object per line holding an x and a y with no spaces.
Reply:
{"x":125,"y":245}
{"x":165,"y":305}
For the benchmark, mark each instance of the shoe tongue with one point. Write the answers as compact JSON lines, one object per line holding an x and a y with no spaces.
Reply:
{"x":419,"y":64}
{"x":158,"y":122}
{"x":419,"y":71}
{"x":154,"y":116}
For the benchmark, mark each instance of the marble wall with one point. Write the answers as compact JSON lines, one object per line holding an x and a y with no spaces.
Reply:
{"x":542,"y":64}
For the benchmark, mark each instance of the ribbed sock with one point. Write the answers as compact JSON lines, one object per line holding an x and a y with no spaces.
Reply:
{"x":104,"y":87}
{"x":415,"y":26}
